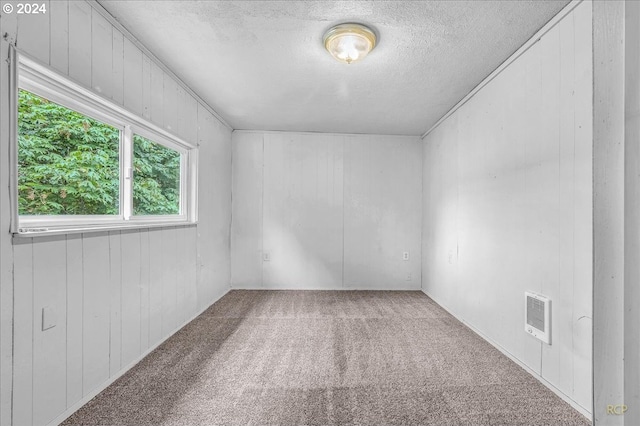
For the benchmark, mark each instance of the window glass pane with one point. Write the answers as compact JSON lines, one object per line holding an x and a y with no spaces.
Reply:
{"x":156,"y":178}
{"x":68,"y":163}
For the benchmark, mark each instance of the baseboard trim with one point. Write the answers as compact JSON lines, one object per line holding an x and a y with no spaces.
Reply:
{"x":75,"y":407}
{"x":582,"y":410}
{"x":327,"y":288}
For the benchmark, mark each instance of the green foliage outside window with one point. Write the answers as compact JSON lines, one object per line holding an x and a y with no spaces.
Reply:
{"x":68,"y":164}
{"x":156,"y":178}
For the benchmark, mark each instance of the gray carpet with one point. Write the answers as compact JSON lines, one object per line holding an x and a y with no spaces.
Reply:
{"x":326,"y":357}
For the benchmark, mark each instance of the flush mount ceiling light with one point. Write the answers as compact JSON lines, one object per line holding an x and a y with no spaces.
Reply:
{"x":349,"y":42}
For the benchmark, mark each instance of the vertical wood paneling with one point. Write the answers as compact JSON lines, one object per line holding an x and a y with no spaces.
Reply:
{"x":566,"y":231}
{"x":170,"y":102}
{"x":218,"y":218}
{"x":33,"y":33}
{"x":7,"y":325}
{"x":468,"y":192}
{"x":533,"y":212}
{"x":276,"y":185}
{"x":583,"y":207}
{"x":146,"y":87}
{"x":302,"y":197}
{"x":155,"y":285}
{"x":494,"y":209}
{"x":80,"y":41}
{"x":437,"y":248}
{"x":561,"y":327}
{"x":23,"y":332}
{"x":446,"y":219}
{"x":632,"y":213}
{"x":356,"y":171}
{"x":156,"y":99}
{"x":75,"y":295}
{"x":427,"y":170}
{"x":181,"y":111}
{"x":131,"y":295}
{"x":96,"y":313}
{"x":522,"y":170}
{"x":246,"y":233}
{"x":132,"y":76}
{"x":206,"y":232}
{"x":429,"y":176}
{"x":117,"y":63}
{"x":188,"y":280}
{"x":277,"y":243}
{"x":59,"y":21}
{"x":169,"y":261}
{"x":49,"y":346}
{"x":382,"y":212}
{"x":144,"y":290}
{"x":181,"y":271}
{"x":101,"y":64}
{"x":191,"y":121}
{"x":115,"y":292}
{"x":527,"y":349}
{"x":608,"y":208}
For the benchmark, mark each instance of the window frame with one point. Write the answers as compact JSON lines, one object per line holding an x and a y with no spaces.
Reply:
{"x":184,"y":167}
{"x":28,"y":74}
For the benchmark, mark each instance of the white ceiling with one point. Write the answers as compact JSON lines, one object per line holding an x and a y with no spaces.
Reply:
{"x":261,"y":64}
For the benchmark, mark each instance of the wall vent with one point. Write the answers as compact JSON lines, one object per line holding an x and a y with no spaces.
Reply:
{"x":537,"y":316}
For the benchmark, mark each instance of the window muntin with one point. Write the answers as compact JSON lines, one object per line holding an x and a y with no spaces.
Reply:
{"x":38,"y":80}
{"x":68,"y":162}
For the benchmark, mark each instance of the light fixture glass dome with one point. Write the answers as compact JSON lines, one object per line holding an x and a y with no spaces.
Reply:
{"x":349,"y":42}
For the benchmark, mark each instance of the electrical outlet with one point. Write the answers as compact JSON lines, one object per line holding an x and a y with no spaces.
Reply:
{"x":405,"y":256}
{"x":409,"y":277}
{"x":266,"y":256}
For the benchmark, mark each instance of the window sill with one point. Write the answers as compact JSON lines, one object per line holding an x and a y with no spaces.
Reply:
{"x":41,"y":231}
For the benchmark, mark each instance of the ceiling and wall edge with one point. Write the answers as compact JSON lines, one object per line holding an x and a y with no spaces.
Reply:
{"x":322,"y":133}
{"x":113,"y":21}
{"x":528,"y":44}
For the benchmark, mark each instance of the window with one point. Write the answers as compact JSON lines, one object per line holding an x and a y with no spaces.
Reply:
{"x":82,"y":162}
{"x":156,"y":178}
{"x":68,"y":163}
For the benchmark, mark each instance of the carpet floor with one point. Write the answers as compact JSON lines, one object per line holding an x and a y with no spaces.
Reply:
{"x":326,"y":357}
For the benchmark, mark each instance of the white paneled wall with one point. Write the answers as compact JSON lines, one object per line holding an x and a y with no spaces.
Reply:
{"x":116,"y":295}
{"x":302,"y":211}
{"x":7,"y":26}
{"x":330,"y":211}
{"x":507,"y":206}
{"x":382,"y":212}
{"x":632,"y":222}
{"x":246,"y":229}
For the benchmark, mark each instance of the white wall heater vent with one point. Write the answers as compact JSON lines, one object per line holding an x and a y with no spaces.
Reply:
{"x":537,"y":316}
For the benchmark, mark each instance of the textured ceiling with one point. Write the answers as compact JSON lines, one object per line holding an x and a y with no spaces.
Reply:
{"x":262,"y":65}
